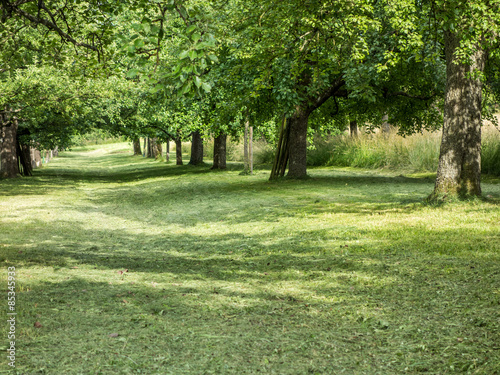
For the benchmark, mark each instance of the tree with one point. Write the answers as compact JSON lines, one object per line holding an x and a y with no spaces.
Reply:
{"x":471,"y":31}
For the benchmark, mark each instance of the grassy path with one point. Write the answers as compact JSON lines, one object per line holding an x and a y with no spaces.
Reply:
{"x":201,"y":272}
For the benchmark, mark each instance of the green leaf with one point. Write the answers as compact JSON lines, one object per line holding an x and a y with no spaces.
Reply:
{"x":213,"y":58}
{"x":190,"y":29}
{"x":158,"y":87}
{"x":183,"y":55}
{"x":195,"y":37}
{"x":132,"y":73}
{"x":197,"y":81}
{"x":206,"y":87}
{"x":193,"y":55}
{"x":139,"y":43}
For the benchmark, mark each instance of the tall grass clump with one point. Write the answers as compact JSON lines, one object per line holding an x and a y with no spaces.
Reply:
{"x":419,"y":152}
{"x":490,"y":154}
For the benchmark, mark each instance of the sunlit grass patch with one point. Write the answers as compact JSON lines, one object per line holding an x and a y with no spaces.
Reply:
{"x":200,"y":272}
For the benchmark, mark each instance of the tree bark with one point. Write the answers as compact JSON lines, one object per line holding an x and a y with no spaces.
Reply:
{"x":178,"y":151}
{"x":153,"y":148}
{"x":24,"y":159}
{"x":386,"y":127}
{"x":9,"y":164}
{"x":36,"y":158}
{"x":167,"y":151}
{"x":137,"y":146}
{"x":297,"y":167}
{"x":148,"y":148}
{"x":250,"y":148}
{"x":159,"y":148}
{"x":282,"y":151}
{"x":245,"y":147}
{"x":145,"y":147}
{"x":220,"y":151}
{"x":459,"y":170}
{"x":196,"y":149}
{"x":353,"y":128}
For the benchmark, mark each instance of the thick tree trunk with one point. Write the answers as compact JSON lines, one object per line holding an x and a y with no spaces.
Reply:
{"x":178,"y":151}
{"x":137,"y":146}
{"x":297,"y":167}
{"x":353,"y":128}
{"x":220,"y":151}
{"x":196,"y":149}
{"x":459,"y":170}
{"x":153,"y":148}
{"x":159,"y":148}
{"x":9,"y":164}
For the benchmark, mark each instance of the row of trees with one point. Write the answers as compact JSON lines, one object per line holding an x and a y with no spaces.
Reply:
{"x":173,"y":69}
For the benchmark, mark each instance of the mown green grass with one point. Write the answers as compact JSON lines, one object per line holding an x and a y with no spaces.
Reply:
{"x":348,"y":271}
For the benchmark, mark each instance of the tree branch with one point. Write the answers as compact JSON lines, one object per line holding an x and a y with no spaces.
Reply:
{"x":325,"y":95}
{"x":52,"y":26}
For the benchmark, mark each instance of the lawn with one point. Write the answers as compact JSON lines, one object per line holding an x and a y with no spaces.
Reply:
{"x":129,"y":266}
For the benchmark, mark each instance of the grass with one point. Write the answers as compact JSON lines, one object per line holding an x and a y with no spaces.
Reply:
{"x":416,"y":153}
{"x":203,"y":272}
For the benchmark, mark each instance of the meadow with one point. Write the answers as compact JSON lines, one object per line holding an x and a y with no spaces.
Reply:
{"x":125,"y":265}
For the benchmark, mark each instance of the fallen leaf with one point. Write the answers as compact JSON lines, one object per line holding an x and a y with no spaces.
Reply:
{"x":74,"y":267}
{"x":125,"y":301}
{"x":114,"y":335}
{"x":38,"y":325}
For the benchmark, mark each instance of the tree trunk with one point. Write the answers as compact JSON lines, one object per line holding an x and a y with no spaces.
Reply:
{"x":148,"y":149}
{"x":220,"y":151}
{"x":153,"y":148}
{"x":36,"y":158}
{"x":459,"y":170}
{"x":353,"y":128}
{"x":297,"y":167}
{"x":250,"y":147}
{"x":159,"y":148}
{"x":196,"y":149}
{"x":167,"y":151}
{"x":386,"y":127}
{"x":178,"y":151}
{"x":8,"y":150}
{"x":137,"y":146}
{"x":24,"y":159}
{"x":282,"y":151}
{"x":145,"y":147}
{"x":245,"y":147}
